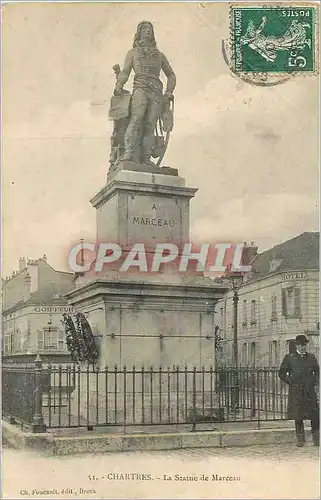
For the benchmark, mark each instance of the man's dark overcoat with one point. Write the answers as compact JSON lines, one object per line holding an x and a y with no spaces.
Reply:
{"x":302,"y":375}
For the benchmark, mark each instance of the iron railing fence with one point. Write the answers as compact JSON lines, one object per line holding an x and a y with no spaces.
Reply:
{"x":63,"y":396}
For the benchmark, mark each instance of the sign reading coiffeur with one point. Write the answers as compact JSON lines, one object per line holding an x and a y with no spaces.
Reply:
{"x":53,"y":309}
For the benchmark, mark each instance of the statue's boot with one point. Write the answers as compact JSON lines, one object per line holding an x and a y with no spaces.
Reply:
{"x":129,"y":156}
{"x":147,"y":161}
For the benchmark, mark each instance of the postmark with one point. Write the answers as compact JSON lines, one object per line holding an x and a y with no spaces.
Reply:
{"x":275,"y":39}
{"x":257,"y":78}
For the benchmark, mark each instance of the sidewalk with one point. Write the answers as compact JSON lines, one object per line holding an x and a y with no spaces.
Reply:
{"x":101,"y":440}
{"x":174,"y":429}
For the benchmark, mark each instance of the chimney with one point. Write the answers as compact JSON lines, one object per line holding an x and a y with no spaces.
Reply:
{"x":252,"y":251}
{"x":28,"y":283}
{"x":22,"y":264}
{"x":249,"y":253}
{"x":32,"y":269}
{"x":44,"y":257}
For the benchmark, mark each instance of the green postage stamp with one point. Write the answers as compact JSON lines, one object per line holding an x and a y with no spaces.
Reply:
{"x":273,"y":39}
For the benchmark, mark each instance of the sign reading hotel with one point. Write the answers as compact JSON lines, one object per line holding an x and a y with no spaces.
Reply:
{"x":54,"y":309}
{"x":299,"y":275}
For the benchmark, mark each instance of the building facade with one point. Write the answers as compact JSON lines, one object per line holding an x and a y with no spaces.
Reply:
{"x":277,"y":302}
{"x":33,"y":301}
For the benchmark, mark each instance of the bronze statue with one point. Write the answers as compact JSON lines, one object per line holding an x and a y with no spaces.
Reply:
{"x":142,"y":119}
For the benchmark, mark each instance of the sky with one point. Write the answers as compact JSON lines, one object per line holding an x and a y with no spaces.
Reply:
{"x":251,"y":151}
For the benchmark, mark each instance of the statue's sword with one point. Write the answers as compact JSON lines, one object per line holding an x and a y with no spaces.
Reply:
{"x":168,"y":134}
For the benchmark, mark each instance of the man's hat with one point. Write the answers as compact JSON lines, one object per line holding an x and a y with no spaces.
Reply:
{"x":301,"y":339}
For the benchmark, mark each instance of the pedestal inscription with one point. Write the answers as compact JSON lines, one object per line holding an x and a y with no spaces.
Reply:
{"x":153,"y":218}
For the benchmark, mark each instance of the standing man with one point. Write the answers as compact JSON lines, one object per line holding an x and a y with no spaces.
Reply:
{"x":148,"y":101}
{"x":301,"y":371}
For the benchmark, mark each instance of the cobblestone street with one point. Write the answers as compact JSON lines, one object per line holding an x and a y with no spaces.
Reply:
{"x":281,"y":471}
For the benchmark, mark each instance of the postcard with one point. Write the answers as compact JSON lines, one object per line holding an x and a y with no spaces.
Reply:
{"x":160,"y":250}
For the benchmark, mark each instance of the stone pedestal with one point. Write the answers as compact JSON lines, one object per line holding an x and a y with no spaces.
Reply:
{"x":143,"y":207}
{"x":156,"y":320}
{"x":150,"y":319}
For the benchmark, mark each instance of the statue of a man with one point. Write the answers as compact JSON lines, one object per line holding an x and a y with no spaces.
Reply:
{"x":147,"y":101}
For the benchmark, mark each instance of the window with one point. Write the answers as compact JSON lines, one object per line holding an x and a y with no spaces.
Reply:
{"x":18,"y":340}
{"x":50,"y":339}
{"x":253,"y":312}
{"x":221,"y":318}
{"x":291,"y":346}
{"x":244,"y":313}
{"x":274,"y":353}
{"x":291,"y":302}
{"x":244,"y":355}
{"x":253,"y":354}
{"x":7,"y":344}
{"x":274,"y":264}
{"x":273,"y":308}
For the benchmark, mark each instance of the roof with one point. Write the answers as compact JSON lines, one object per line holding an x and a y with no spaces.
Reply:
{"x":42,"y":298}
{"x":298,"y":253}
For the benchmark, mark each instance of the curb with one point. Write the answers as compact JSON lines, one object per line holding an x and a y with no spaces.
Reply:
{"x":104,"y":443}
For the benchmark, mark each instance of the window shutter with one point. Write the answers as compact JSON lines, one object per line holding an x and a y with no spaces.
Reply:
{"x":257,"y":354}
{"x":297,"y":302}
{"x":61,"y":340}
{"x":284,"y":302}
{"x":252,"y":354}
{"x":7,"y":344}
{"x":278,"y":352}
{"x":270,"y":353}
{"x":273,"y":307}
{"x":40,"y":343}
